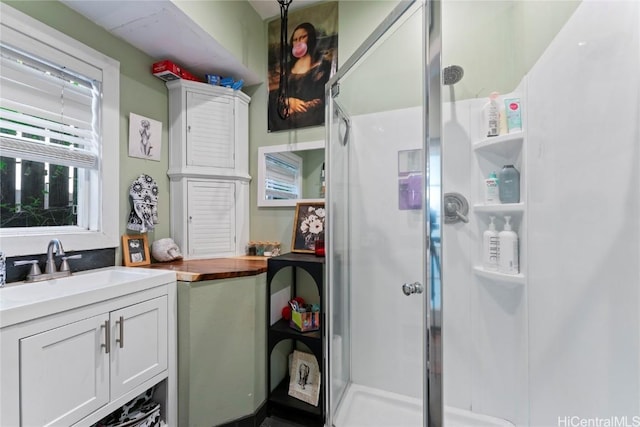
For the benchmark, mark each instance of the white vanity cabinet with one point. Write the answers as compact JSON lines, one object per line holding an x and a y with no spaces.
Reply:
{"x":208,"y":169}
{"x":73,"y":367}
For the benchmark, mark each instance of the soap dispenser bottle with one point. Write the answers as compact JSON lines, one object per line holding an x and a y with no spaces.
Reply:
{"x":508,"y":241}
{"x":490,"y":247}
{"x":491,"y":186}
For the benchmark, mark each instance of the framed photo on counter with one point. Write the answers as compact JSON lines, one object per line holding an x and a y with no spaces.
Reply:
{"x":308,"y":226}
{"x":135,"y":250}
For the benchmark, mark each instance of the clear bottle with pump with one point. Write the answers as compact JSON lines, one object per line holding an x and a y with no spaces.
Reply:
{"x":490,"y":247}
{"x":491,"y":112}
{"x":508,"y":241}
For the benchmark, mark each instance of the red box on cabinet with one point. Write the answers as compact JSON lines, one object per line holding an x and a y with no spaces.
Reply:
{"x":166,"y":70}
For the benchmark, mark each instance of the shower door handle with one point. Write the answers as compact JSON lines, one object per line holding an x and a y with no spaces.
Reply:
{"x":412,"y":288}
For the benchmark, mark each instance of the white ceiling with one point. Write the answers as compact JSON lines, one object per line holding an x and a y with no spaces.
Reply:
{"x":144,"y":25}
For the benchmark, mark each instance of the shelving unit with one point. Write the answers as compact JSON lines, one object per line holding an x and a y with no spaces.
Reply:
{"x":208,"y":169}
{"x":491,"y":154}
{"x":278,"y":401}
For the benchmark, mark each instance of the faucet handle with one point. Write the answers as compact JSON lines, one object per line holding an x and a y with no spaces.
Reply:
{"x":65,"y":264}
{"x":35,"y":268}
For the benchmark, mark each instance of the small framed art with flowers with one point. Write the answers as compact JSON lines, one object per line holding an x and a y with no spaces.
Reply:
{"x":308,"y":226}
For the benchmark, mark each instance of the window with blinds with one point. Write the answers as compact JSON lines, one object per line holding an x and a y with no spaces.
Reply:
{"x":59,"y":102}
{"x":283,"y":176}
{"x":48,"y":139}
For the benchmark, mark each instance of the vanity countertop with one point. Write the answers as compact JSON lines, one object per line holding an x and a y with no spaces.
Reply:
{"x":21,"y":301}
{"x":197,"y":270}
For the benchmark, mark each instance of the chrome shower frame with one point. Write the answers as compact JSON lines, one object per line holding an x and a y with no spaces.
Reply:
{"x":432,"y":131}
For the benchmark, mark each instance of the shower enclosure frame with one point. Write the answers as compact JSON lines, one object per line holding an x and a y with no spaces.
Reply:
{"x":432,"y":130}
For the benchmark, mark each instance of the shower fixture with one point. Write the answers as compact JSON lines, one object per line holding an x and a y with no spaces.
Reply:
{"x":456,"y":208}
{"x":452,"y":74}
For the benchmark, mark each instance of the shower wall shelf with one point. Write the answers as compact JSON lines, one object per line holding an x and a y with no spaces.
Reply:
{"x":278,"y":400}
{"x":499,"y":208}
{"x":494,"y":275}
{"x":501,"y":142}
{"x":491,"y":154}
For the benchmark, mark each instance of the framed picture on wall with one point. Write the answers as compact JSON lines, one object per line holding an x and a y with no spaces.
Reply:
{"x":309,"y":59}
{"x":145,"y":137}
{"x":305,"y":378}
{"x":308,"y":226}
{"x":135,"y":250}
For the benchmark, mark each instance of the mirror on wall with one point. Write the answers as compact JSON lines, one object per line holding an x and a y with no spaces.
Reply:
{"x":290,"y":173}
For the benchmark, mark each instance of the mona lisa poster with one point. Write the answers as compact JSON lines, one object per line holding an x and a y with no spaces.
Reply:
{"x":310,"y":59}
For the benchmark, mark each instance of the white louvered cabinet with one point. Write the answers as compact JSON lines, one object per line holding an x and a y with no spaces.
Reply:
{"x":208,"y":168}
{"x":208,"y":131}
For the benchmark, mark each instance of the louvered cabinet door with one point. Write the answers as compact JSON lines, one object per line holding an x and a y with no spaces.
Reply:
{"x":211,"y":218}
{"x":210,"y":131}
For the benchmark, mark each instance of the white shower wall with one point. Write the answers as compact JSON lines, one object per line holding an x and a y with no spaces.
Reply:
{"x":566,"y":342}
{"x":584,"y":201}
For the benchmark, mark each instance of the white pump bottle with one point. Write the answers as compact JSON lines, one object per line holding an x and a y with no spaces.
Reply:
{"x":508,"y":260}
{"x":490,"y":247}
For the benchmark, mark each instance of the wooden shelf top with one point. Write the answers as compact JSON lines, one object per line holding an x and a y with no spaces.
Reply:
{"x":197,"y":270}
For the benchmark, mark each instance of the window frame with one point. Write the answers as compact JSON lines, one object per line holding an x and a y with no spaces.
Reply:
{"x":103,"y":222}
{"x":262,"y":172}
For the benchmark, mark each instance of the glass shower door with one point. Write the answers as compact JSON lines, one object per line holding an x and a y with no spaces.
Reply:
{"x":377,"y":222}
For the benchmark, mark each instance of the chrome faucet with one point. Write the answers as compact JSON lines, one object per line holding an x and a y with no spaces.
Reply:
{"x":35,"y":275}
{"x":56,"y":245}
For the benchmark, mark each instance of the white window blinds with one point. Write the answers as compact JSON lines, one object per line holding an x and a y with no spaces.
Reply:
{"x":283,"y":176}
{"x":48,"y":113}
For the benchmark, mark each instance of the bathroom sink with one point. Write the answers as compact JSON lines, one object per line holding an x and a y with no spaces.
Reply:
{"x":25,"y":301}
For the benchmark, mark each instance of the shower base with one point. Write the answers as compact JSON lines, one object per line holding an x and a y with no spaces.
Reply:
{"x":368,"y":407}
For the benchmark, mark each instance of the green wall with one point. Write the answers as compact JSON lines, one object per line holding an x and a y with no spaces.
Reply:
{"x":140,"y":93}
{"x":356,"y":21}
{"x":240,"y":29}
{"x":497,"y":42}
{"x":511,"y":46}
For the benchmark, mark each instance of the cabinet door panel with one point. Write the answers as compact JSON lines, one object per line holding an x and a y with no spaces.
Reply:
{"x":210,"y":139}
{"x":139,"y":344}
{"x":211,"y":226}
{"x":64,"y":373}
